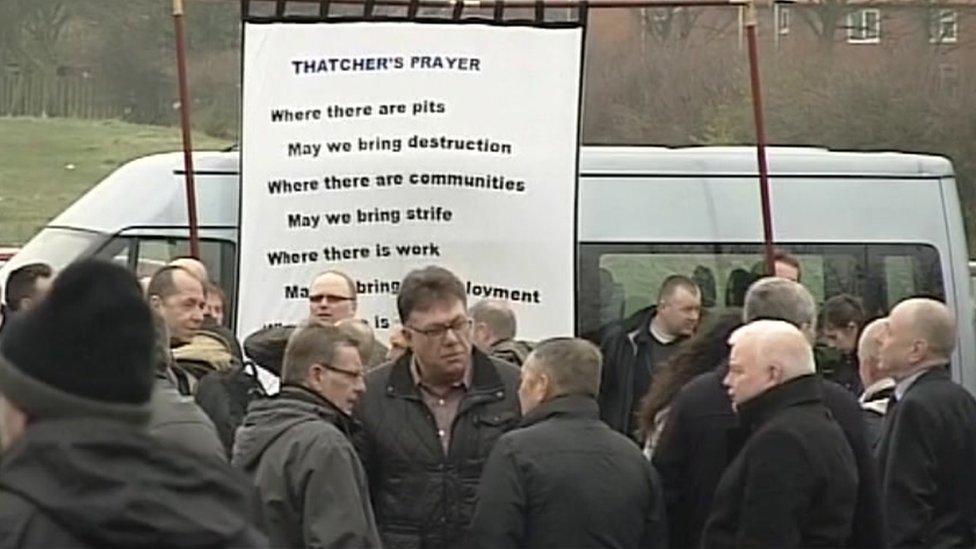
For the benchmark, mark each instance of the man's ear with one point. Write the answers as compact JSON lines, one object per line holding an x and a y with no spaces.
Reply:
{"x":155,"y":302}
{"x":315,"y":378}
{"x":545,"y":382}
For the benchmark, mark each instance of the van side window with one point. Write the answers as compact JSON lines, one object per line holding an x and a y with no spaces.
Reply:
{"x":147,"y":254}
{"x":617,"y":280}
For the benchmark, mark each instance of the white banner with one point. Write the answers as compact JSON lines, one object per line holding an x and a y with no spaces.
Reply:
{"x":379,"y":147}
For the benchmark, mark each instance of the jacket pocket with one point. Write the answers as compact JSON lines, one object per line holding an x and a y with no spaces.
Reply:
{"x":503,"y":420}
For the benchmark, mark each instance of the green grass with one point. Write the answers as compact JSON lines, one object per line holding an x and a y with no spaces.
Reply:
{"x":45,"y":164}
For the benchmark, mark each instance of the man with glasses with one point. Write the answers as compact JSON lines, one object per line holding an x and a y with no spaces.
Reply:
{"x":431,"y":417}
{"x":295,"y":447}
{"x":331,"y":298}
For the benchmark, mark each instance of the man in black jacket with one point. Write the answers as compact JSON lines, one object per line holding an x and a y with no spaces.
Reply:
{"x":633,"y":348}
{"x":702,"y":435}
{"x":564,"y":478}
{"x":928,"y":446}
{"x":794,"y":483}
{"x":431,"y":418}
{"x":78,"y":467}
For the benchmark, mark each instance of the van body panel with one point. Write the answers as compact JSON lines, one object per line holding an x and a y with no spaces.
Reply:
{"x":956,"y":267}
{"x":637,"y":195}
{"x":151,"y":191}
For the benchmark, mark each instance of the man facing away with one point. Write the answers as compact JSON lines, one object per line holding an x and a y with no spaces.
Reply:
{"x":794,"y":483}
{"x":878,"y":386}
{"x":332,"y":297}
{"x":79,"y":468}
{"x":295,"y":447}
{"x":703,"y":434}
{"x":564,"y":478}
{"x":494,"y":331}
{"x":431,"y":418}
{"x":928,"y":444}
{"x":635,"y":347}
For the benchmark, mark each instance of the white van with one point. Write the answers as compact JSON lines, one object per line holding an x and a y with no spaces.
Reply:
{"x":882,"y":226}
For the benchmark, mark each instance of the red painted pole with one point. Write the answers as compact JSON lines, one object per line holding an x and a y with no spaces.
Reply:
{"x":757,"y":110}
{"x":191,"y":194}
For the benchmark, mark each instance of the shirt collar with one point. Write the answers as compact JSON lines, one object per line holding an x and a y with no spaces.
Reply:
{"x":902,"y":387}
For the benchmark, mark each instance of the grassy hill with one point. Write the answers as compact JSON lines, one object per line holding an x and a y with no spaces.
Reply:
{"x":45,"y":164}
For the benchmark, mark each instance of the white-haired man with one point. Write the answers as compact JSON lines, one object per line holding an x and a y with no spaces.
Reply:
{"x":878,"y":387}
{"x":794,"y":483}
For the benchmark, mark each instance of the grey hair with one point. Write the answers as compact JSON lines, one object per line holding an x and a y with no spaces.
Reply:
{"x":497,"y":315}
{"x":572,"y":364}
{"x":780,"y":299}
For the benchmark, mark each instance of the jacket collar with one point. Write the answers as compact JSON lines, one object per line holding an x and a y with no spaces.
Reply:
{"x":932,"y":373}
{"x":324,"y":408}
{"x":638,"y":325}
{"x":802,"y":390}
{"x":574,"y":406}
{"x":484,"y":376}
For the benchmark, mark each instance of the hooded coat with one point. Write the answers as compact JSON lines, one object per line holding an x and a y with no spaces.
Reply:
{"x":177,"y":421}
{"x":100,"y":483}
{"x":311,"y":484}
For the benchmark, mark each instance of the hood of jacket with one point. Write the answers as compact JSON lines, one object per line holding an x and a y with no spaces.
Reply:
{"x":270,"y":418}
{"x":112,"y":485}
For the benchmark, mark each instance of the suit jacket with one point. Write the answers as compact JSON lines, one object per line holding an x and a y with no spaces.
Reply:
{"x":927,"y":460}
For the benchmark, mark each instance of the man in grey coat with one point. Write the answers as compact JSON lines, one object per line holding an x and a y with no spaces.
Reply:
{"x":175,"y":419}
{"x":295,"y":448}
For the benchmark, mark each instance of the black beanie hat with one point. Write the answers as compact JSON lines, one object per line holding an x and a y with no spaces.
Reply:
{"x":86,"y":349}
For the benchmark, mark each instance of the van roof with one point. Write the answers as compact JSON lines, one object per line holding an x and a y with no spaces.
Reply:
{"x":160,"y":177}
{"x":741,"y":160}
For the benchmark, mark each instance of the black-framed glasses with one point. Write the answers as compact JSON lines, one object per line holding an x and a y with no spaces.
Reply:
{"x":459,"y":326}
{"x":331,"y":299}
{"x":354,"y":374}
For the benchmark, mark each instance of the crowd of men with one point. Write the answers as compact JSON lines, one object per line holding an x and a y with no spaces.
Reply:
{"x":130,"y":416}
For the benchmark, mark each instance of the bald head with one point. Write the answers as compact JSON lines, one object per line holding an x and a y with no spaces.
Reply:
{"x":869,"y":351}
{"x":194,"y":266}
{"x":765,"y":354}
{"x":921,"y":332}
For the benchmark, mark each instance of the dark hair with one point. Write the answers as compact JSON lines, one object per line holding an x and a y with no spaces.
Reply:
{"x":424,"y":287}
{"x":779,"y":256}
{"x":163,"y":283}
{"x":700,"y":354}
{"x":21,"y":284}
{"x":312,"y":344}
{"x":213,"y":289}
{"x":671,"y":285}
{"x":843,"y":309}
